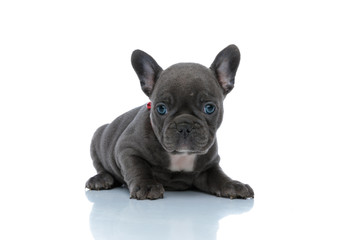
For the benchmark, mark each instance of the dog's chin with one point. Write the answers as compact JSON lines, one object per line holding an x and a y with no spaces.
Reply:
{"x":186,"y":150}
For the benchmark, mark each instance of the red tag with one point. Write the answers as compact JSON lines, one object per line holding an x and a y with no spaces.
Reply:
{"x":148,"y":105}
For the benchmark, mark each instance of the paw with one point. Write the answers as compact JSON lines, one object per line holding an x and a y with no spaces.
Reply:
{"x":147,"y":190}
{"x":100,"y":181}
{"x":236,"y":189}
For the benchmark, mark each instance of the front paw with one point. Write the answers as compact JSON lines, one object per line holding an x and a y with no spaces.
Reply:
{"x":236,"y":189}
{"x":100,"y":181}
{"x":147,"y":190}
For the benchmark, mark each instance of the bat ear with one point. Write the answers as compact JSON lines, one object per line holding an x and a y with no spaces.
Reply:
{"x":225,"y":66}
{"x":147,"y":70}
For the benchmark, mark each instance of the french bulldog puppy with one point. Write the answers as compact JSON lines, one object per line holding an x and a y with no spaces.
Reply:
{"x":170,"y":144}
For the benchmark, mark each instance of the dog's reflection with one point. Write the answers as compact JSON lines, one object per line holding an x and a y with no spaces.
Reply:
{"x":180,"y":215}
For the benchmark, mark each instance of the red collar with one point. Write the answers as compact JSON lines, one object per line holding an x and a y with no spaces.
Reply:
{"x":148,"y":105}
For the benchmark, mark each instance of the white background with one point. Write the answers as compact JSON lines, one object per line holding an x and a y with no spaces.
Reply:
{"x":291,"y":127}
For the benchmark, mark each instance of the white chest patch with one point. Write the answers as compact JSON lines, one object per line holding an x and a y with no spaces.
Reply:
{"x":182,"y":162}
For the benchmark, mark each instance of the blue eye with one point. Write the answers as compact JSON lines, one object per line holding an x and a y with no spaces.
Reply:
{"x":209,"y":108}
{"x":161,"y":109}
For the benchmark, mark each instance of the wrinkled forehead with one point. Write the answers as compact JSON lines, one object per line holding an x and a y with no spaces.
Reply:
{"x":187,"y":79}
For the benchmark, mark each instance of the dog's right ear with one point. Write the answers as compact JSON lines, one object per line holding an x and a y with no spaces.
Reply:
{"x":147,"y":70}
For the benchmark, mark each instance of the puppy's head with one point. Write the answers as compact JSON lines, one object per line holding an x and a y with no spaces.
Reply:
{"x":187,"y":99}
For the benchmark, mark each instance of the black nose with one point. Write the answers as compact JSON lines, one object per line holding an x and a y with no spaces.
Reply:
{"x":184,"y":128}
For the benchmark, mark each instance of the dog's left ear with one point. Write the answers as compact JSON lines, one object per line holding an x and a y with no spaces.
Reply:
{"x":225,"y":65}
{"x":147,"y":70}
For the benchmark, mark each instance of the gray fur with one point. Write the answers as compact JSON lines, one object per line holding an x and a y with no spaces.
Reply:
{"x":136,"y":148}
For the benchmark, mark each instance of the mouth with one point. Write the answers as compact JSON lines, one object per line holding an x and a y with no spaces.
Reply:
{"x":185,"y":146}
